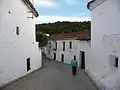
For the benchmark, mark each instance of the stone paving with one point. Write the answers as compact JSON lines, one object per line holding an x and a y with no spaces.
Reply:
{"x":54,"y":76}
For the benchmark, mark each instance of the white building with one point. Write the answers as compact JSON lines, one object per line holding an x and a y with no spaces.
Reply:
{"x":19,"y":52}
{"x":105,"y":45}
{"x":64,"y":47}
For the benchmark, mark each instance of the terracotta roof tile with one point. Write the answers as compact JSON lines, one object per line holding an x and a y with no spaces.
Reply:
{"x":81,"y":35}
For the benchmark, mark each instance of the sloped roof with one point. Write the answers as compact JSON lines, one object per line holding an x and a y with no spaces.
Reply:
{"x":79,"y":35}
{"x":31,"y":7}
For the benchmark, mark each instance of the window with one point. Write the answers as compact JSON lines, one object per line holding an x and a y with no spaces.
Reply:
{"x":28,"y":64}
{"x":74,"y":57}
{"x":62,"y":58}
{"x":17,"y":30}
{"x":56,"y":45}
{"x":70,"y":45}
{"x":63,"y":46}
{"x":116,"y":62}
{"x":9,"y":12}
{"x":54,"y":56}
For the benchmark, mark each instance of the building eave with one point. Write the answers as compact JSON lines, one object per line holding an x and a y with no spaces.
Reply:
{"x":75,"y":38}
{"x":94,"y":3}
{"x":31,"y":7}
{"x":89,"y":3}
{"x":86,"y":39}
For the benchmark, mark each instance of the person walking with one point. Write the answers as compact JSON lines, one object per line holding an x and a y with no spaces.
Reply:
{"x":74,"y":66}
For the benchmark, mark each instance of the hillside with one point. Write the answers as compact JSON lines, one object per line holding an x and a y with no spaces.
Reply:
{"x":63,"y":27}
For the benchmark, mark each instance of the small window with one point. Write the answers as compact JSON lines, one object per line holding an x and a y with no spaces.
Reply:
{"x":74,"y":57}
{"x":63,"y":46}
{"x":62,"y":58}
{"x":70,"y":45}
{"x":54,"y":56}
{"x":56,"y":45}
{"x":9,"y":12}
{"x":17,"y":30}
{"x":116,"y":62}
{"x":28,"y":64}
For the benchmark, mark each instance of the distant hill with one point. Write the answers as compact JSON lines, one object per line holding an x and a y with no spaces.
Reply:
{"x":63,"y":27}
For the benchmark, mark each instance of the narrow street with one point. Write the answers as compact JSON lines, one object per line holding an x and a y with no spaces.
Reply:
{"x":54,"y":76}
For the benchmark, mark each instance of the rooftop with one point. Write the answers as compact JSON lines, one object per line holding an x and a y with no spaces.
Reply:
{"x":79,"y":35}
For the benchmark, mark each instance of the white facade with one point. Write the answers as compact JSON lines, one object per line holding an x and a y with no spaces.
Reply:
{"x":105,"y":46}
{"x":77,"y":47}
{"x":15,"y":49}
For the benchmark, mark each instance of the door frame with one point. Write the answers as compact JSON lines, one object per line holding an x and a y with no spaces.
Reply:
{"x":54,"y":58}
{"x":62,"y":58}
{"x":82,"y":59}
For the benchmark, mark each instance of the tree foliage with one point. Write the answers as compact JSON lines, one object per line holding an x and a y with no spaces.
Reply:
{"x":58,"y":27}
{"x":63,"y":27}
{"x":42,"y":39}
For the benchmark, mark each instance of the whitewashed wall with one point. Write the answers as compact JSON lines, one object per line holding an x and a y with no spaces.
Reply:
{"x":15,"y":49}
{"x":84,"y":46}
{"x":49,"y":51}
{"x":69,"y":54}
{"x":105,"y":20}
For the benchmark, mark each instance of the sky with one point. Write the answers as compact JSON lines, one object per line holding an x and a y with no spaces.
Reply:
{"x":61,"y":10}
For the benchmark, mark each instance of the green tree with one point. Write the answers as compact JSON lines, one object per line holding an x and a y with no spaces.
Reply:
{"x":42,"y":39}
{"x":60,"y":27}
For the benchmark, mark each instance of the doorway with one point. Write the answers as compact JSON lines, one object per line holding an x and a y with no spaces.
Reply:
{"x":54,"y":56}
{"x":82,"y":53}
{"x":116,"y":62}
{"x":62,"y":58}
{"x":28,"y":64}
